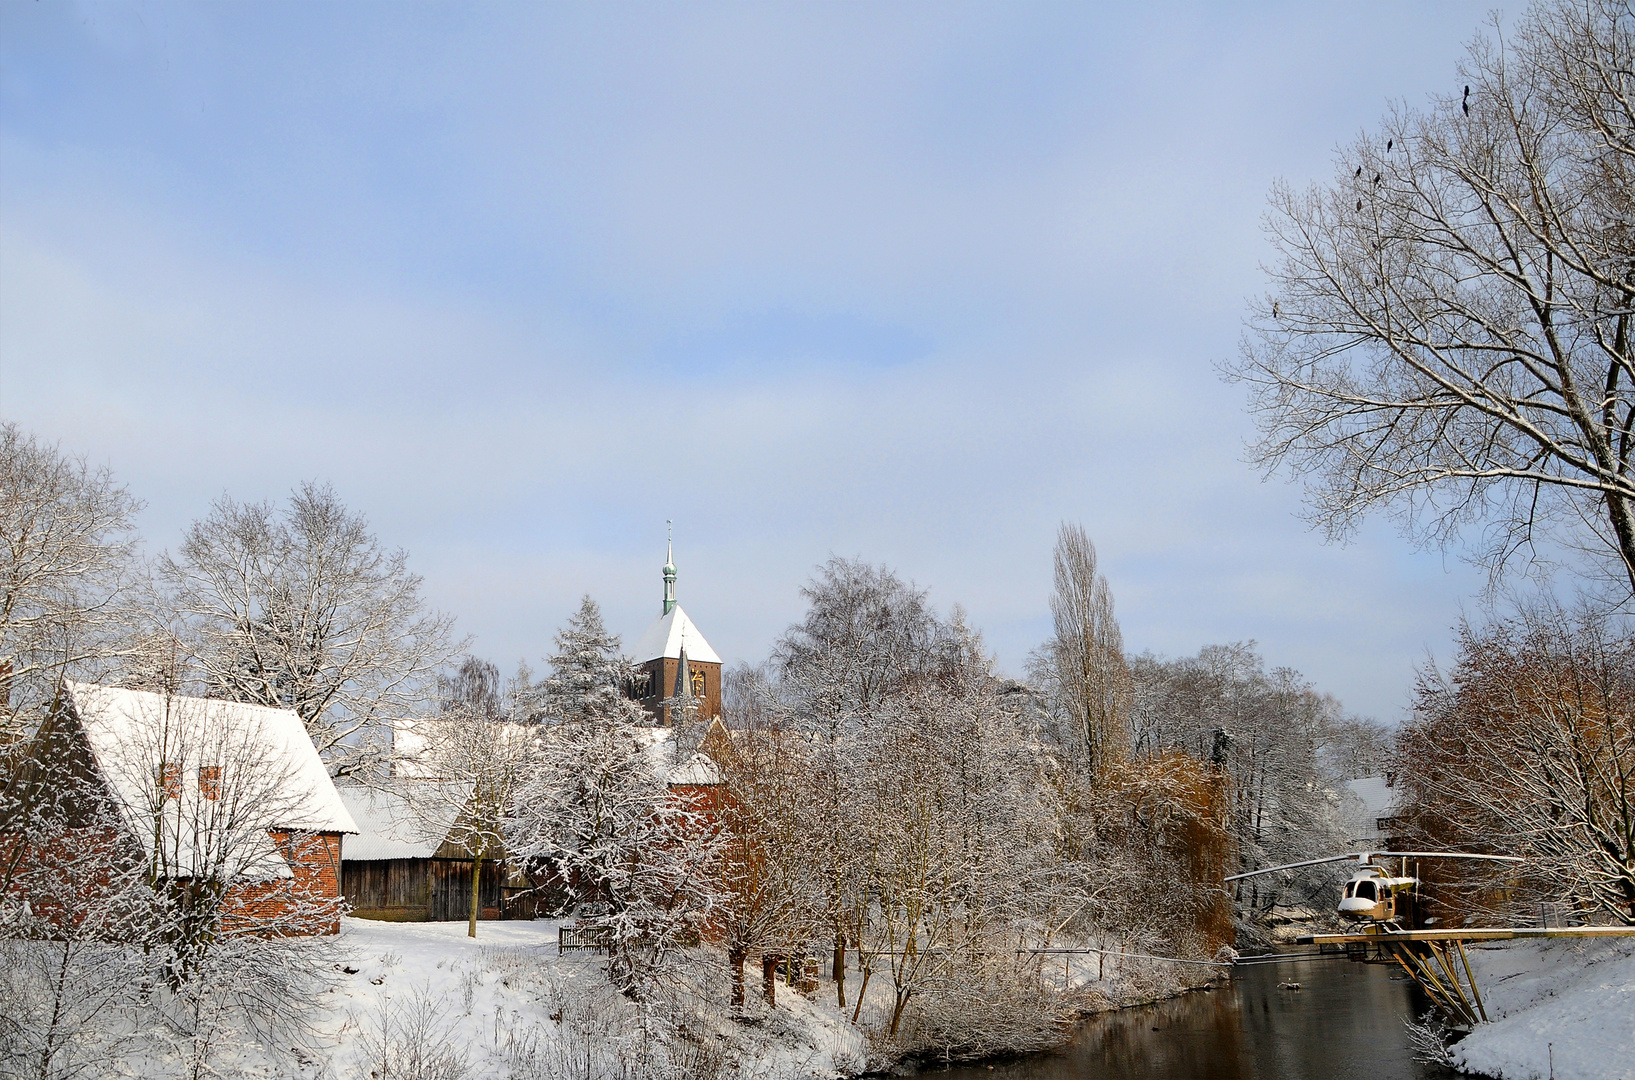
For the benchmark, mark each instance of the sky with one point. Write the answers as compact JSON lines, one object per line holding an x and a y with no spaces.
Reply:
{"x":912,"y":283}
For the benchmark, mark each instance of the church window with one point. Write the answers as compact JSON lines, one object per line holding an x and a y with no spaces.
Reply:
{"x":698,"y":684}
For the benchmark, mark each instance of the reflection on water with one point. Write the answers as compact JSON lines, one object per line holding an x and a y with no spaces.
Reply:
{"x":1345,"y":1023}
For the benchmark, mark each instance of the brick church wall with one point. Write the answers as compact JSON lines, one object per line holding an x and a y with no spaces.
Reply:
{"x":661,"y":683}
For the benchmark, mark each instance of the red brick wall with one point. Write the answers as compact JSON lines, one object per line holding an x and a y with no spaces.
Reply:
{"x":63,"y":880}
{"x":308,"y":903}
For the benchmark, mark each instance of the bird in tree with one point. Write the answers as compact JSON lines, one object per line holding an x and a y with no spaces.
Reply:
{"x":1466,"y":357}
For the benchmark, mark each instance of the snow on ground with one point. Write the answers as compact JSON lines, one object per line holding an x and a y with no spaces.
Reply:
{"x":507,"y":1005}
{"x":1572,"y":999}
{"x":424,"y":1000}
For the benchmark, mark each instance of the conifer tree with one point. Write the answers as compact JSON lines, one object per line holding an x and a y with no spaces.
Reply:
{"x":589,"y":674}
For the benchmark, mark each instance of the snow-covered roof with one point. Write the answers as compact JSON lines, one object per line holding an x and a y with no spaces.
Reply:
{"x":699,"y":770}
{"x":666,"y":636}
{"x":133,"y":732}
{"x":389,"y":827}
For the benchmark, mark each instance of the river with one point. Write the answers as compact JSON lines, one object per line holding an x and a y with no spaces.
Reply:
{"x":1344,"y":1023}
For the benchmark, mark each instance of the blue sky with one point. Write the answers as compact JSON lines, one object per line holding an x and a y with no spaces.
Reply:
{"x":908,"y":282}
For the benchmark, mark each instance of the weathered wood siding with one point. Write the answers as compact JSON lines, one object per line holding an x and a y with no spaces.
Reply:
{"x":419,"y":890}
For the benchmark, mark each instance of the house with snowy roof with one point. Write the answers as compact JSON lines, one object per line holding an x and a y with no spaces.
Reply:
{"x":674,"y":661}
{"x":197,"y":790}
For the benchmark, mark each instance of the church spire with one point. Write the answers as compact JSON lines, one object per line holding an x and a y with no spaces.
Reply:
{"x":669,"y":571}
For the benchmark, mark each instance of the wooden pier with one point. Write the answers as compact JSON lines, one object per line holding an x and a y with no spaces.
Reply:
{"x":1436,"y":960}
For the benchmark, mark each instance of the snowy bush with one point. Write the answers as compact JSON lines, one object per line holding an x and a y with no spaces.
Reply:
{"x":411,"y":1039}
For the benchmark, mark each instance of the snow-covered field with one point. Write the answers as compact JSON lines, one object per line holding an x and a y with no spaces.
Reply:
{"x":424,"y":1000}
{"x":1573,"y":1001}
{"x":506,"y":1005}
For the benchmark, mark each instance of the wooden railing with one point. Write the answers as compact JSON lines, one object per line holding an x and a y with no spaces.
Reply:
{"x":581,"y":939}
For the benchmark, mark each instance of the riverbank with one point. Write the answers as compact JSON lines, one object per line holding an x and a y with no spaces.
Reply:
{"x":1566,"y":1004}
{"x":507,"y":1005}
{"x":424,"y":999}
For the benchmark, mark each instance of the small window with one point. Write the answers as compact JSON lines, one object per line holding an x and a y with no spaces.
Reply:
{"x":169,"y":779}
{"x":698,"y":684}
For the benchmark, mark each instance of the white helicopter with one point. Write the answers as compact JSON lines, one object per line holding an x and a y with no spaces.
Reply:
{"x":1373,"y":894}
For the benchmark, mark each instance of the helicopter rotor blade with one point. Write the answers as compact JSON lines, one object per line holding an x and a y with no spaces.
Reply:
{"x":1363,"y":856}
{"x":1449,"y":855}
{"x":1297,"y":865}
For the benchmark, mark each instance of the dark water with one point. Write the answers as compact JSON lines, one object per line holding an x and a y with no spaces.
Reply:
{"x":1345,"y":1023}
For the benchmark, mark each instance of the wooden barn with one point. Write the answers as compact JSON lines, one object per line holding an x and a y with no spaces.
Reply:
{"x":401,"y":867}
{"x":192,"y":789}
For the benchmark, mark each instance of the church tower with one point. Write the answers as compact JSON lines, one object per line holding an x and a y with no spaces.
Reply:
{"x":675,"y":660}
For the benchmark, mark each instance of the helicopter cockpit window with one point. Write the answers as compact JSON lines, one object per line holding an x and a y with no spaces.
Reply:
{"x":1365,"y":889}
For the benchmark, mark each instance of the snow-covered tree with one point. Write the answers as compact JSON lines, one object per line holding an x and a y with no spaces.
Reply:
{"x":525,"y":699}
{"x":150,"y":892}
{"x":589,"y":676}
{"x":302,"y":608}
{"x":596,"y":814}
{"x":73,"y":890}
{"x":67,"y":566}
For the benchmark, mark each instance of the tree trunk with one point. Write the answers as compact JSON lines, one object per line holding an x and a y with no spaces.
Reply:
{"x":897,"y":1010}
{"x":476,"y":879}
{"x":735,"y":961}
{"x":769,"y":978}
{"x":839,"y":968}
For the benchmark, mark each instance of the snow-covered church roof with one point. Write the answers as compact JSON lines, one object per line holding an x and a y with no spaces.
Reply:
{"x":700,"y":770}
{"x":667,"y":634}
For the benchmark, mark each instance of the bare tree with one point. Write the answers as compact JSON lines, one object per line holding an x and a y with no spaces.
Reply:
{"x":1082,"y":667}
{"x":303,"y":609}
{"x":1274,"y":739}
{"x":866,"y":635}
{"x":1450,"y":328}
{"x":1527,"y":747}
{"x":66,"y":570}
{"x":769,"y":877}
{"x":478,"y":759}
